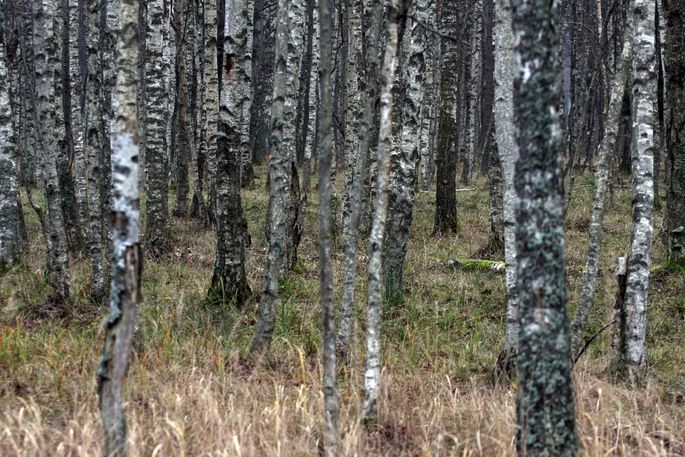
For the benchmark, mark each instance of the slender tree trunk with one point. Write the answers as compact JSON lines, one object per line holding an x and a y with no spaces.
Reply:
{"x":544,"y":402}
{"x":183,"y":108}
{"x":127,"y":254}
{"x":639,"y":259}
{"x":244,"y":71}
{"x":45,"y":41}
{"x":11,"y":236}
{"x":507,"y":149}
{"x":93,"y":116}
{"x":229,"y":281}
{"x":368,"y":93}
{"x":601,"y":179}
{"x":674,"y":59}
{"x":404,"y":159}
{"x":446,"y":151}
{"x":372,"y":370}
{"x":325,"y":233}
{"x":154,"y":130}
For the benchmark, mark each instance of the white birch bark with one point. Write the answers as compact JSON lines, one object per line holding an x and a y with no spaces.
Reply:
{"x":11,"y":241}
{"x":505,"y":67}
{"x":126,"y":293}
{"x":596,"y":230}
{"x":372,"y":370}
{"x":639,"y":260}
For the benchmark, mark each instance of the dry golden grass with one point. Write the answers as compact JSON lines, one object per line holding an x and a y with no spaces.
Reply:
{"x":189,"y":392}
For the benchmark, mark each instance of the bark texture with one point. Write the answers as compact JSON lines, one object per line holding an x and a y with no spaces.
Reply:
{"x":674,"y":61}
{"x":372,"y":370}
{"x":639,"y":259}
{"x":126,"y":291}
{"x":229,"y":281}
{"x":544,"y":402}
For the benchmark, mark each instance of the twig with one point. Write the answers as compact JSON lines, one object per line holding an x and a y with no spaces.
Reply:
{"x":591,"y":339}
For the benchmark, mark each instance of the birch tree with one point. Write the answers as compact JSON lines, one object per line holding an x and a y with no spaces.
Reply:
{"x":596,"y":230}
{"x":639,"y":260}
{"x":154,"y":131}
{"x":11,"y":236}
{"x":183,"y":159}
{"x":544,"y":402}
{"x":47,"y":112}
{"x":505,"y":67}
{"x":404,"y":159}
{"x":372,"y":369}
{"x":229,"y":281}
{"x":126,"y":293}
{"x":325,"y":233}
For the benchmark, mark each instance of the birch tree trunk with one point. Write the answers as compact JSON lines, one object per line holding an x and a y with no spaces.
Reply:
{"x":368,"y":93}
{"x":639,"y":259}
{"x":446,"y":151}
{"x":279,"y":177}
{"x":94,"y":144}
{"x":674,"y":60}
{"x":544,"y":402}
{"x":126,"y":293}
{"x":507,"y":149}
{"x":601,"y":180}
{"x":372,"y":370}
{"x":330,"y":390}
{"x":210,"y":105}
{"x":404,"y":159}
{"x":48,"y":109}
{"x":154,"y":130}
{"x":11,"y":237}
{"x":244,"y":71}
{"x":183,"y":108}
{"x":229,"y":281}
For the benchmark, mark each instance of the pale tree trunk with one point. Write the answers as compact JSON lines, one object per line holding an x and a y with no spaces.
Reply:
{"x":48,"y":109}
{"x":210,"y":104}
{"x":544,"y":403}
{"x":368,"y":93}
{"x":229,"y":281}
{"x":304,"y":94}
{"x":279,"y":177}
{"x":639,"y":259}
{"x":505,"y":67}
{"x":674,"y":60}
{"x":405,"y":158}
{"x":495,"y":246}
{"x":109,"y":27}
{"x":28,"y":127}
{"x":154,"y":130}
{"x":446,"y":150}
{"x":11,"y":236}
{"x":244,"y":71}
{"x":126,"y":255}
{"x":372,"y":371}
{"x":330,"y":390}
{"x":183,"y":160}
{"x":94,"y":143}
{"x":601,"y":180}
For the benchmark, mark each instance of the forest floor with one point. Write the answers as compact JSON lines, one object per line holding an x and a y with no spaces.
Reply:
{"x":189,"y":393}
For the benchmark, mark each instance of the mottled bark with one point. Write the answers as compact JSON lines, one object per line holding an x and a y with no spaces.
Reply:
{"x":446,"y":150}
{"x":210,"y":105}
{"x":505,"y":67}
{"x":126,"y":293}
{"x":11,"y":236}
{"x":183,"y":108}
{"x":372,"y":369}
{"x":330,"y":391}
{"x":304,"y":94}
{"x":639,"y":259}
{"x":94,"y":143}
{"x":244,"y":72}
{"x":154,"y":131}
{"x":495,"y":244}
{"x":596,"y":230}
{"x":47,"y":113}
{"x":229,"y":281}
{"x":544,"y":403}
{"x":674,"y":60}
{"x":368,"y":94}
{"x":279,"y":177}
{"x":404,"y":160}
